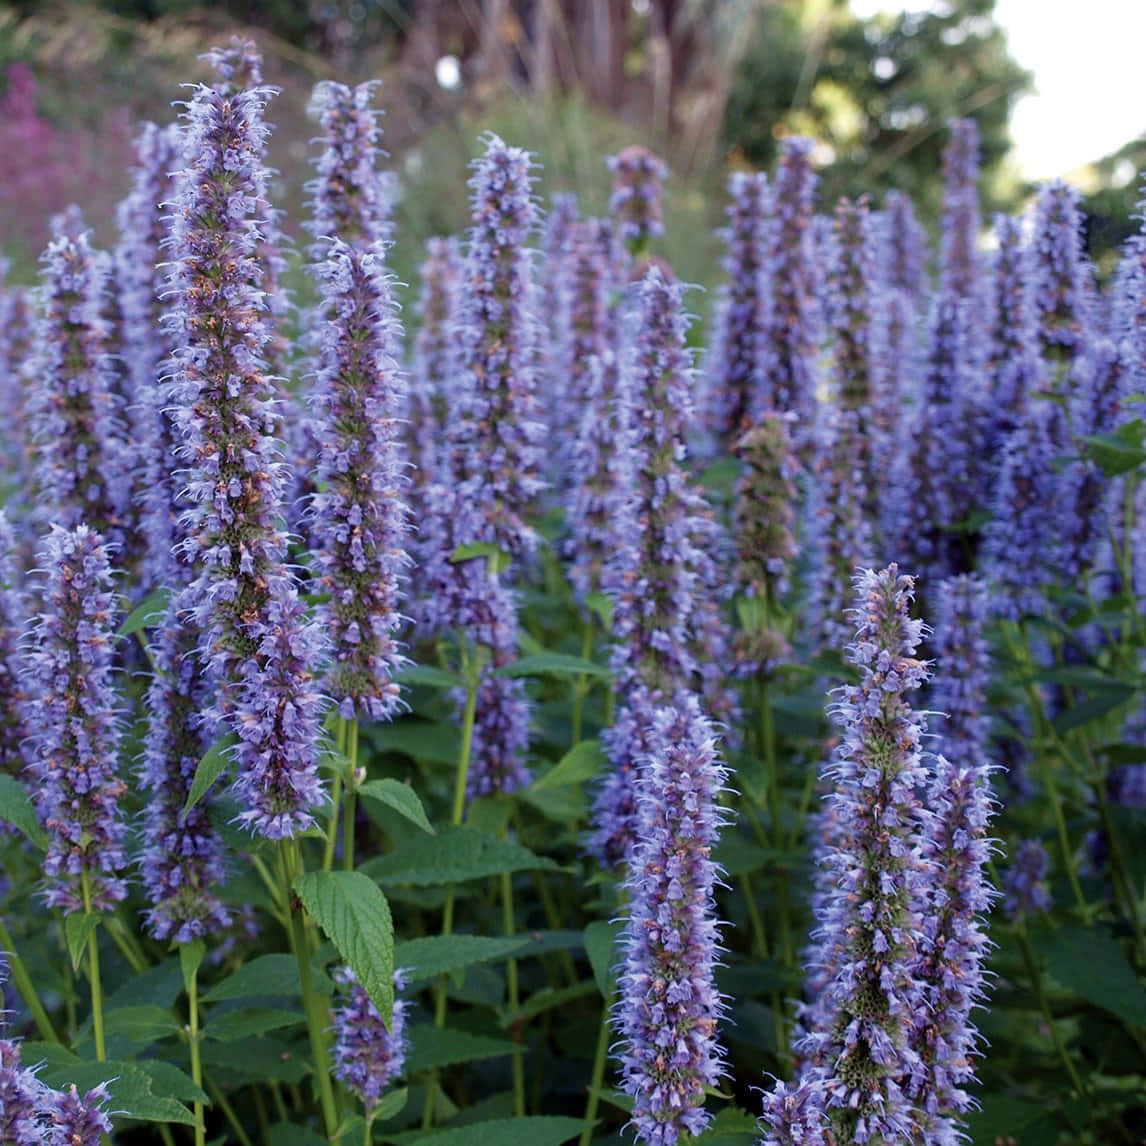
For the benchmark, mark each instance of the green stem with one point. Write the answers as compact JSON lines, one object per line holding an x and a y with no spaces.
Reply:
{"x":315,"y":1019}
{"x":581,"y":684}
{"x":351,"y":798}
{"x":759,"y":939}
{"x":127,"y":943}
{"x":280,"y":1103}
{"x":514,"y":997}
{"x":768,"y":739}
{"x":367,"y":1122}
{"x":261,"y":1115}
{"x":597,"y":1080}
{"x":93,"y":973}
{"x":1040,"y":995}
{"x":335,"y":798}
{"x":27,"y":988}
{"x":196,"y":1062}
{"x":165,"y":1134}
{"x":220,"y":1100}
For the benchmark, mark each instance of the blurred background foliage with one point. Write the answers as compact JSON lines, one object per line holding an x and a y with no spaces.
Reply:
{"x":711,"y":84}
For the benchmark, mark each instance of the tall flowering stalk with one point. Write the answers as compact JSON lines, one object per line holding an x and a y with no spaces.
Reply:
{"x":736,"y":355}
{"x":953,"y":947}
{"x":15,"y":324}
{"x":368,"y":1054}
{"x":257,"y":642}
{"x":1024,"y":882}
{"x":80,"y":469}
{"x":904,"y":246}
{"x":75,"y":743}
{"x":959,"y":686}
{"x":669,"y":1006}
{"x":555,"y":294}
{"x":1062,"y":289}
{"x":359,"y":522}
{"x":14,"y":693}
{"x":864,"y":1053}
{"x":960,"y":268}
{"x":793,"y":334}
{"x":635,"y":202}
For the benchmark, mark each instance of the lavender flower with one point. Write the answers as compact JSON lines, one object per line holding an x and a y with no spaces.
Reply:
{"x":1024,"y":882}
{"x":561,"y":221}
{"x":81,"y":473}
{"x":21,"y":1099}
{"x":367,"y":1055}
{"x":635,"y":203}
{"x":851,"y":285}
{"x":961,"y":274}
{"x":959,"y":686}
{"x":895,"y":363}
{"x":736,"y":356}
{"x":79,"y":1121}
{"x":257,"y":642}
{"x":500,"y":444}
{"x":349,"y":197}
{"x":1060,"y":279}
{"x":500,"y":736}
{"x":869,"y":926}
{"x":794,"y":1114}
{"x":15,"y":345}
{"x":75,"y":743}
{"x":359,"y":521}
{"x":14,"y":695}
{"x":669,"y":1007}
{"x":182,"y":859}
{"x":904,"y":242}
{"x":953,"y":947}
{"x":794,"y":327}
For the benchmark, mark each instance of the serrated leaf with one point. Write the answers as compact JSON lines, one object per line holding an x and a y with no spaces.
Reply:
{"x":352,"y":911}
{"x":169,"y":1080}
{"x":435,"y":955}
{"x":455,"y":855}
{"x":549,"y":999}
{"x":401,"y":797}
{"x":1093,"y":708}
{"x":16,"y":809}
{"x":291,"y":1134}
{"x":601,"y":947}
{"x":77,"y":930}
{"x":149,"y":612}
{"x":190,"y":960}
{"x":543,"y":1130}
{"x":1090,"y":963}
{"x":553,"y":664}
{"x":435,"y":743}
{"x":210,"y":767}
{"x":391,"y":1105}
{"x":428,"y":675}
{"x":259,"y":1059}
{"x":582,"y":762}
{"x":248,"y":1022}
{"x":432,"y":1047}
{"x":266,"y":975}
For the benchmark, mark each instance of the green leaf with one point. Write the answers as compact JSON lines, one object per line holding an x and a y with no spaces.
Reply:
{"x":1093,"y":708}
{"x":548,"y":999}
{"x":352,"y":910}
{"x":454,"y":855}
{"x":1005,"y":1118}
{"x":582,"y":762}
{"x":601,"y":947}
{"x":1090,"y":963}
{"x":77,"y":930}
{"x":721,"y":474}
{"x":212,"y":765}
{"x":429,"y":675}
{"x":435,"y":955}
{"x":501,"y":559}
{"x":434,"y":743}
{"x":1117,"y":452}
{"x":259,"y":1059}
{"x":291,"y":1134}
{"x":144,"y":1024}
{"x":432,"y":1047}
{"x":169,"y":1080}
{"x":16,"y":809}
{"x":553,"y":664}
{"x":391,"y":1105}
{"x":148,"y":612}
{"x":266,"y":975}
{"x":191,"y":957}
{"x":601,"y":605}
{"x":247,"y":1021}
{"x":543,"y":1130}
{"x":401,"y":797}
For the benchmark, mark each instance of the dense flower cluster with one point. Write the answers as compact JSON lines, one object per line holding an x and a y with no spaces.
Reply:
{"x":903,"y":239}
{"x":1061,"y":284}
{"x":635,"y":202}
{"x":1024,"y":882}
{"x":959,"y":686}
{"x":13,"y":685}
{"x":76,"y":734}
{"x":669,"y":1006}
{"x":368,"y":1056}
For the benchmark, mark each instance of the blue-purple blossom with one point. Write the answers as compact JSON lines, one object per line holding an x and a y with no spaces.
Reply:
{"x":635,"y":202}
{"x":359,"y":518}
{"x":903,"y":241}
{"x":668,"y":1007}
{"x":21,"y":1097}
{"x":962,"y":667}
{"x":895,"y":362}
{"x":1024,"y":882}
{"x":78,"y":1120}
{"x":368,"y":1057}
{"x":14,"y":695}
{"x":350,"y":198}
{"x":1061,"y":283}
{"x":863,"y":1045}
{"x":953,"y":946}
{"x":793,"y":1114}
{"x":736,"y":357}
{"x":960,"y":264}
{"x":257,"y":642}
{"x":15,"y":346}
{"x":851,"y":285}
{"x":76,"y":734}
{"x":80,"y":469}
{"x":501,"y":733}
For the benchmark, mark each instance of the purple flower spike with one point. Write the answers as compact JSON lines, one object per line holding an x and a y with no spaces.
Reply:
{"x":75,"y":743}
{"x":862,"y":1045}
{"x":21,"y":1096}
{"x":80,"y":468}
{"x":1062,"y":286}
{"x":904,"y":242}
{"x":359,"y":518}
{"x":668,"y":1008}
{"x":635,"y":203}
{"x":257,"y":643}
{"x":794,"y":1115}
{"x":500,"y":737}
{"x":15,"y":345}
{"x":954,"y":945}
{"x":1024,"y":882}
{"x":736,"y":368}
{"x":367,"y":1056}
{"x":14,"y":729}
{"x":182,"y":860}
{"x":960,"y":264}
{"x":794,"y":328}
{"x":851,"y":287}
{"x":79,"y":1121}
{"x":350,"y":198}
{"x":959,"y":686}
{"x":239,"y":66}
